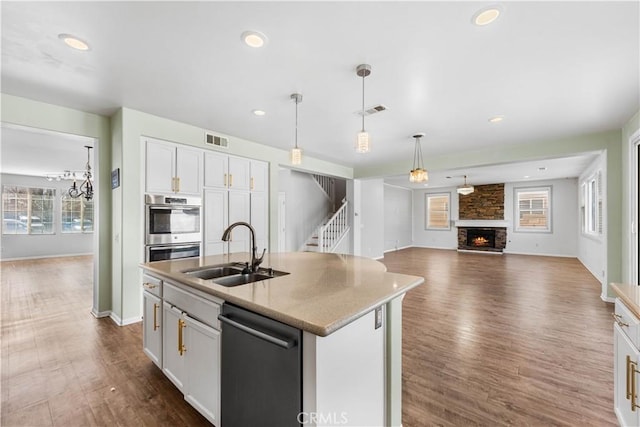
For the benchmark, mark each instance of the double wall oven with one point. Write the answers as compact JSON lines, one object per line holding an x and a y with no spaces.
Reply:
{"x":172,"y":227}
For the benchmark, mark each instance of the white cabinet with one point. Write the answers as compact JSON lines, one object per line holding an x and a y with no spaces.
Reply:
{"x":626,"y":380}
{"x":191,"y":351}
{"x":152,"y":319}
{"x":170,"y":168}
{"x":260,"y":218}
{"x":236,"y":189}
{"x":259,"y":176}
{"x":223,"y":171}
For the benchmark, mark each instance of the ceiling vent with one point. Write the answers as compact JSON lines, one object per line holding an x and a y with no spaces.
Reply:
{"x":372,"y":110}
{"x":218,"y":141}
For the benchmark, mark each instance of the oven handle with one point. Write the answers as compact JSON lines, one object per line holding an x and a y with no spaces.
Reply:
{"x":174,"y":207}
{"x":157,"y":248}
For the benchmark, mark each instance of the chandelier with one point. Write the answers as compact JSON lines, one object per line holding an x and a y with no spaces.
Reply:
{"x":465,"y":189}
{"x":418,"y":173}
{"x":86,"y":188}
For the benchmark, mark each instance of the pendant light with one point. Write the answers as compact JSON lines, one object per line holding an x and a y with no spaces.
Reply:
{"x":363,"y":141}
{"x":465,"y":189}
{"x":86,"y":188}
{"x":296,"y":153}
{"x":418,"y":173}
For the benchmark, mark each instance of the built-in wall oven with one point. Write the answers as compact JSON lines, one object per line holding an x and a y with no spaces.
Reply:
{"x":172,"y":227}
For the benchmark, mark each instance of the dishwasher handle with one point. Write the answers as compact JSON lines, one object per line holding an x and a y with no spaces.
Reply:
{"x":286,"y":344}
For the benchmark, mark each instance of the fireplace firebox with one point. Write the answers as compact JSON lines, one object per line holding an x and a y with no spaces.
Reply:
{"x":481,"y":238}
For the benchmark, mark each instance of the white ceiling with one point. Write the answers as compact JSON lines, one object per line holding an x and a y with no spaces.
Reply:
{"x":553,"y":69}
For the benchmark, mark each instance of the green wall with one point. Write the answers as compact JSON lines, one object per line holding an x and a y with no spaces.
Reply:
{"x":128,"y":128}
{"x":25,"y":112}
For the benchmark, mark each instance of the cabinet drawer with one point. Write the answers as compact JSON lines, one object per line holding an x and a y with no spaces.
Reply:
{"x":152,"y":284}
{"x":628,"y":322}
{"x":195,"y":306}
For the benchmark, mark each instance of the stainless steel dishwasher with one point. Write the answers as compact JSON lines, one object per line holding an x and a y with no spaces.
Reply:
{"x":261,"y":370}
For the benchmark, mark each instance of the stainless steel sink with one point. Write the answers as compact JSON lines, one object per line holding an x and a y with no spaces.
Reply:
{"x":243,"y":279}
{"x":232,"y":274}
{"x":215,"y":271}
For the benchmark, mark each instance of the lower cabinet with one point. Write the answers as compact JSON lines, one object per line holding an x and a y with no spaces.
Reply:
{"x":626,"y":382}
{"x":151,"y":331}
{"x":181,"y":335}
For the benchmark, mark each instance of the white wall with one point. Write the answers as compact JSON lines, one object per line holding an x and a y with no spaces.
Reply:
{"x":307,"y":206}
{"x":398,"y":214}
{"x":44,"y":245}
{"x":442,"y":239}
{"x":565,"y":221}
{"x":592,"y":250}
{"x":372,"y":218}
{"x":630,"y":193}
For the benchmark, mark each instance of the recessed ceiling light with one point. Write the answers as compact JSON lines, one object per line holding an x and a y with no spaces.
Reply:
{"x":542,"y":169}
{"x":73,"y":41}
{"x":254,"y":38}
{"x":496,"y":119}
{"x":527,"y":176}
{"x":259,"y":112}
{"x":486,"y":16}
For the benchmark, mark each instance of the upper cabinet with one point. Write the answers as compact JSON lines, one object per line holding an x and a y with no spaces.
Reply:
{"x":259,"y":176}
{"x":223,"y":171}
{"x":171,"y":169}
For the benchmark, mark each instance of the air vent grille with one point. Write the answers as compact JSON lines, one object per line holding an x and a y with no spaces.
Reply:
{"x":218,"y":141}
{"x":372,"y":110}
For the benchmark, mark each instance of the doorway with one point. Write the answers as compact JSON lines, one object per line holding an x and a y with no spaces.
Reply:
{"x":41,"y":218}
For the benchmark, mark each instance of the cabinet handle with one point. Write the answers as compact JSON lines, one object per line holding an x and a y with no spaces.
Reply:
{"x":155,"y":317}
{"x":181,"y":346}
{"x":148,"y":285}
{"x":634,"y":395}
{"x":225,"y":179}
{"x":628,"y":378}
{"x":251,"y":185}
{"x":618,"y":320}
{"x":230,"y":180}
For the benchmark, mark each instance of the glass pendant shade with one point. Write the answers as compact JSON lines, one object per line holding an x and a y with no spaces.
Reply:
{"x":465,"y":189}
{"x":418,"y":173}
{"x":363,"y":142}
{"x":296,"y":156}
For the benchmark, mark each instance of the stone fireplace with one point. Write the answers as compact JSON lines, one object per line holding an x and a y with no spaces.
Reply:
{"x":481,"y":226}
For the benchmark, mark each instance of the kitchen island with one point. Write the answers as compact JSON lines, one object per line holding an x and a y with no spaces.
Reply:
{"x":349,"y":312}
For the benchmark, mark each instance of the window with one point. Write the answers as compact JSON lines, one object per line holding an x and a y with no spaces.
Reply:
{"x":27,"y":210}
{"x":437,"y":212}
{"x":533,"y":209}
{"x":77,"y":215}
{"x":591,"y":205}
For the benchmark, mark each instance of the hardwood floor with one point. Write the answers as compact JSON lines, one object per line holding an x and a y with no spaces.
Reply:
{"x":497,"y":340}
{"x":63,"y":367}
{"x":488,"y":340}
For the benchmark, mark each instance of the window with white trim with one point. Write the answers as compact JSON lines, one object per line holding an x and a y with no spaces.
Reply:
{"x":27,"y":210}
{"x":533,"y":209}
{"x":591,"y":205}
{"x":437,"y":215}
{"x":76,"y":215}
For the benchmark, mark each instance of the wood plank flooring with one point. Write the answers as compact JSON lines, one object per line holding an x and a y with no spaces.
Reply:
{"x":504,"y":340}
{"x":488,"y":340}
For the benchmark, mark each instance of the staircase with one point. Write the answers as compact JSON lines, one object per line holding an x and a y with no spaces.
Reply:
{"x":331,"y":232}
{"x":328,"y":186}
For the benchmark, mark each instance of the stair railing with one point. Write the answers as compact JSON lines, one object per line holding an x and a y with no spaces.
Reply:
{"x":330,"y":233}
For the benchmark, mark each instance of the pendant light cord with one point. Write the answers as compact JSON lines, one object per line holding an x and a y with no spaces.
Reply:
{"x":296,"y":122}
{"x":363,"y":76}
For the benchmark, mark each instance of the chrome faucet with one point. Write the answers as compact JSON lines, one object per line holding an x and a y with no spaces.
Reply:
{"x":255,"y":261}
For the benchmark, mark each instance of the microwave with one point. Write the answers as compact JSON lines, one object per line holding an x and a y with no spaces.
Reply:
{"x":171,"y":219}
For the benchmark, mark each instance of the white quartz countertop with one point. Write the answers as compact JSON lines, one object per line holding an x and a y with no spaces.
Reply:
{"x":322,"y":293}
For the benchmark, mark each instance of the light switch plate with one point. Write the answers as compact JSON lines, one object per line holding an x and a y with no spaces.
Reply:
{"x":378,"y":317}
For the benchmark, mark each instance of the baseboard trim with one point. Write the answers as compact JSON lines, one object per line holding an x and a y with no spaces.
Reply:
{"x":433,"y":247}
{"x":100,"y":314}
{"x":538,"y":254}
{"x":120,"y":322}
{"x":607,"y":298}
{"x":45,"y":256}
{"x":398,"y":249}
